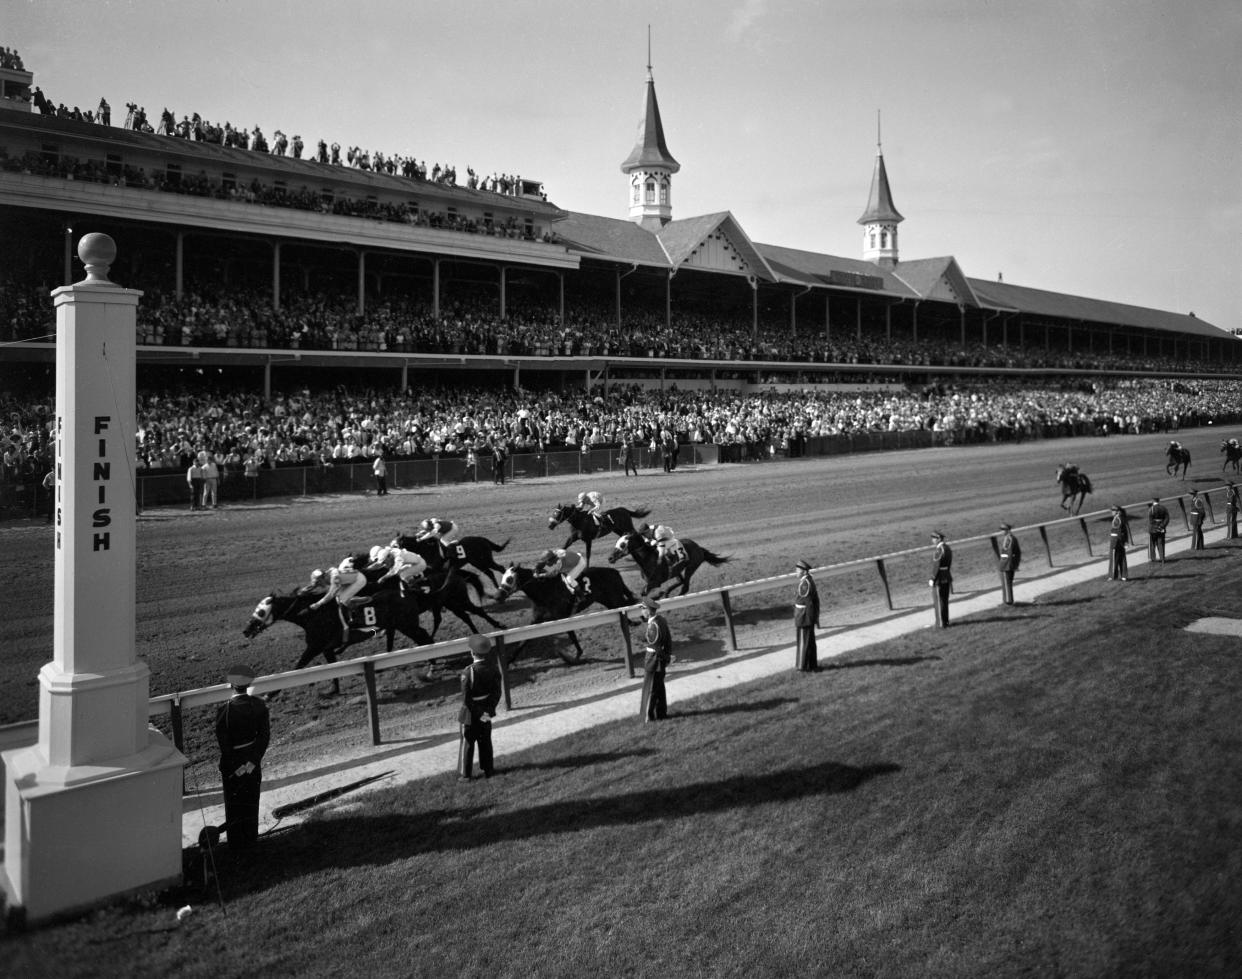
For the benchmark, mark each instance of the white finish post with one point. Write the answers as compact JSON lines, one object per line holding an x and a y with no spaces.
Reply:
{"x":94,"y":809}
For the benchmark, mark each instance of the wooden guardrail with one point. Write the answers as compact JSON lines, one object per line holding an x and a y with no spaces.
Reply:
{"x":174,"y":705}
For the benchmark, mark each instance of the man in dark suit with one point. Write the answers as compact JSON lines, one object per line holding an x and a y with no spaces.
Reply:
{"x":1009,"y":556}
{"x":806,"y":620}
{"x":1157,"y":525}
{"x":480,"y":693}
{"x":1118,"y":538}
{"x":1231,"y":511}
{"x":657,"y":652}
{"x":941,"y":580}
{"x":243,"y":732}
{"x":1198,"y":513}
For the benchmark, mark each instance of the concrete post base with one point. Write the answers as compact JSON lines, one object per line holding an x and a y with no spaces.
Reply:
{"x":76,"y":836}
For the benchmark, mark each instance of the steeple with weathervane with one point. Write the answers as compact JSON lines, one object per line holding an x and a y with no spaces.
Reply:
{"x":881,"y":218}
{"x":650,"y":166}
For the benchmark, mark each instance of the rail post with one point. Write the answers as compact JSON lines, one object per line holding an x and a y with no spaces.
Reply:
{"x":174,"y":715}
{"x":624,"y":622}
{"x":368,"y":677}
{"x":728,"y":614}
{"x":1207,"y":502}
{"x":1082,"y":522}
{"x":995,"y":547}
{"x":888,"y":593}
{"x":502,"y":665}
{"x":1043,"y":533}
{"x":1181,"y":502}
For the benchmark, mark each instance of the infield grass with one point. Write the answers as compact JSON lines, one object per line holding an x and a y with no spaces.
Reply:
{"x":1049,"y":789}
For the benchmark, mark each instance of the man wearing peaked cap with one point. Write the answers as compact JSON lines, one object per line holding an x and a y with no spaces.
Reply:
{"x":1196,"y":515}
{"x":480,"y":694}
{"x":806,"y":620}
{"x":1118,"y":538}
{"x":1157,"y":525}
{"x":941,"y":578}
{"x":1009,"y":556}
{"x":243,"y":733}
{"x":657,"y":653}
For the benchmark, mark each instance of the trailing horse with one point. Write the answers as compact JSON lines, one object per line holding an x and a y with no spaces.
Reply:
{"x":550,"y":599}
{"x":386,"y":612}
{"x":656,"y":570}
{"x":1233,"y":454}
{"x":1075,"y":486}
{"x":1178,"y":458}
{"x":586,"y":528}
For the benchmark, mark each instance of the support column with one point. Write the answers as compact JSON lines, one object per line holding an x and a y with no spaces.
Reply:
{"x":362,"y":282}
{"x":93,"y":810}
{"x":668,"y":300}
{"x":276,"y":275}
{"x":560,"y":276}
{"x":827,"y":318}
{"x":754,"y":308}
{"x":267,"y":379}
{"x":179,"y":266}
{"x":888,"y":322}
{"x":405,"y":376}
{"x":914,"y":322}
{"x":435,"y":288}
{"x":504,"y":281}
{"x":961,"y":314}
{"x":858,"y":318}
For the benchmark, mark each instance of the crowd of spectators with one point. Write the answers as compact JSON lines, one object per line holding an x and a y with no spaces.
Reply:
{"x":257,"y":192}
{"x":195,"y":128}
{"x":323,"y":428}
{"x":308,"y":321}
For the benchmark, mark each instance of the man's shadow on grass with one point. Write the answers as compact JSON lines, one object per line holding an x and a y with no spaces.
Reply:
{"x":890,"y":661}
{"x":395,"y":830}
{"x":744,"y":708}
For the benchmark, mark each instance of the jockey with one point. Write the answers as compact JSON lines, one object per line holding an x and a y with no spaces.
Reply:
{"x":1175,"y":446}
{"x":1233,"y":444}
{"x":570,"y":564}
{"x":444,"y":531}
{"x":345,"y":581}
{"x":318,"y":582}
{"x":406,"y":566}
{"x":669,"y":546}
{"x":591,"y":502}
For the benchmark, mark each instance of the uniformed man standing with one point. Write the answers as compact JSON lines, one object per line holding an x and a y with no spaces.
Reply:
{"x":1157,"y":525}
{"x":1231,"y":511}
{"x":480,"y":693}
{"x":657,"y":652}
{"x":1008,"y":558}
{"x":941,"y":580}
{"x":1198,"y":514}
{"x":1118,"y":538}
{"x":806,"y":620}
{"x":243,"y":733}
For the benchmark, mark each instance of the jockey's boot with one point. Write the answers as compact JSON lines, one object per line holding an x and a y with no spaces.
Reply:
{"x":344,"y":613}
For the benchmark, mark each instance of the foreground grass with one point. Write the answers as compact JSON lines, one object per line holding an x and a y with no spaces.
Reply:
{"x":1050,"y":789}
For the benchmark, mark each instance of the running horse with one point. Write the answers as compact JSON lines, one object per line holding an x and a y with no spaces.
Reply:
{"x":477,"y":552}
{"x":550,"y":599}
{"x":618,"y":520}
{"x":1075,"y":486}
{"x":656,"y":570}
{"x":1178,"y":458}
{"x":387,"y":612}
{"x":1233,"y":453}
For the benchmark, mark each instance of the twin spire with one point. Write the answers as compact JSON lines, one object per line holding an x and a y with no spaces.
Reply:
{"x":650,"y":167}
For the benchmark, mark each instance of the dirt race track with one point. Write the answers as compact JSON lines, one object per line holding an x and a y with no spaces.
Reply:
{"x":200,"y":574}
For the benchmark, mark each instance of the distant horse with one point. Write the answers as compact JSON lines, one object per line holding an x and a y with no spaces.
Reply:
{"x":1075,"y":486}
{"x":387,"y":612}
{"x":1233,"y":453}
{"x":551,"y":600}
{"x":655,"y":569}
{"x":1178,"y":458}
{"x":477,"y":552}
{"x":618,"y":520}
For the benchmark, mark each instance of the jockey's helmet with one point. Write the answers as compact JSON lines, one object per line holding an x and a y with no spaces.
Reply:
{"x":581,"y":498}
{"x":347,"y":564}
{"x":547,"y":557}
{"x":663,"y":533}
{"x":377,"y":552}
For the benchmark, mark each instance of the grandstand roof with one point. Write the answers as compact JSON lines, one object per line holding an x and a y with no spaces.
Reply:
{"x":650,"y":150}
{"x":1003,"y":295}
{"x":937,"y":278}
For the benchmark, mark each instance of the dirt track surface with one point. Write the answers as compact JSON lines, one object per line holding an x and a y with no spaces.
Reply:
{"x":200,"y":574}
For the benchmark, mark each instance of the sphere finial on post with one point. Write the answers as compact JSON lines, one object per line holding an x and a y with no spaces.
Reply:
{"x":97,"y":252}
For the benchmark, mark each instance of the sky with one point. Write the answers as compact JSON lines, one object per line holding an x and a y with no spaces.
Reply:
{"x":1091,"y":147}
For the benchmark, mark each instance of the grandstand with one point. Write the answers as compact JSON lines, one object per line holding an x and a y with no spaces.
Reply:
{"x":251,"y":257}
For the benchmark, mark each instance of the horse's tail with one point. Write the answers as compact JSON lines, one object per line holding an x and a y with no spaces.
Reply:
{"x":1086,"y":483}
{"x":639,"y":512}
{"x":497,"y":548}
{"x":715,"y":559}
